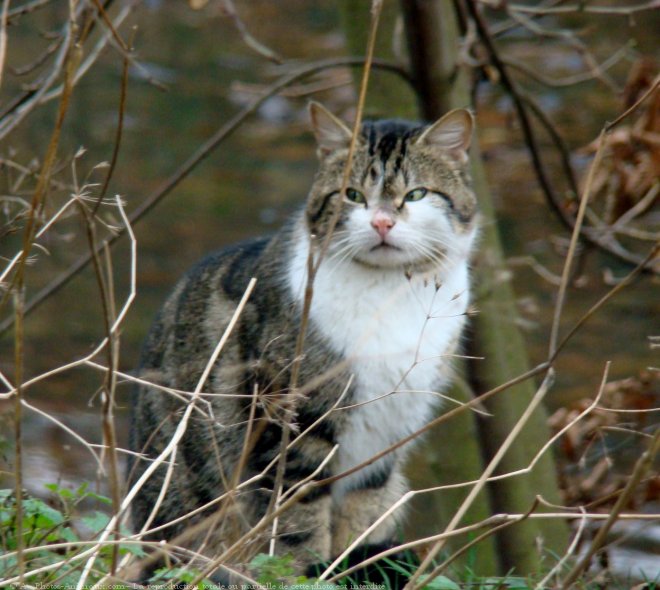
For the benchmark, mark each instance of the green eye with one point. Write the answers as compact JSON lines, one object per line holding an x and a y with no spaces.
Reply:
{"x":416,"y":194}
{"x":355,"y":196}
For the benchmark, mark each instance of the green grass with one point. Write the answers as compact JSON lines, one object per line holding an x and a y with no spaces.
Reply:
{"x":55,"y":531}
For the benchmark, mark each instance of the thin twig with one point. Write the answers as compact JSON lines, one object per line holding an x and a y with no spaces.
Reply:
{"x":23,"y":106}
{"x":559,"y":306}
{"x":110,"y":379}
{"x":412,"y":583}
{"x":586,"y":8}
{"x":38,"y":198}
{"x":494,"y":520}
{"x":533,"y":73}
{"x":3,"y":36}
{"x":634,"y":274}
{"x":119,"y":130}
{"x":490,"y":521}
{"x":530,"y":137}
{"x":570,"y":39}
{"x":176,"y":437}
{"x":120,"y":317}
{"x":435,"y":572}
{"x":111,"y":26}
{"x":636,"y":104}
{"x":94,"y":54}
{"x":17,"y":288}
{"x":70,"y":431}
{"x":642,"y":465}
{"x":564,"y":154}
{"x":230,"y":10}
{"x":18,"y":425}
{"x":27,"y":8}
{"x":39,"y":61}
{"x":542,"y":585}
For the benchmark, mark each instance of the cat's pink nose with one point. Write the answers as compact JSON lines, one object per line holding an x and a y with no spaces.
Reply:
{"x":382,"y":223}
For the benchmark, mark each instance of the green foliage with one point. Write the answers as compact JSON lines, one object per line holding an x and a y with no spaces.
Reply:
{"x":276,"y":571}
{"x":177,"y":575}
{"x":52,"y":534}
{"x":41,"y":527}
{"x":440,"y":583}
{"x":69,"y":497}
{"x":271,"y":568}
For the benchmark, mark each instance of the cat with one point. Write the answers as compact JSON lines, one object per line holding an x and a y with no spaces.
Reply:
{"x":390,"y":299}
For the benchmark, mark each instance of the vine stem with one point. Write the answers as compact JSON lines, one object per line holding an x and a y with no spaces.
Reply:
{"x":17,"y":287}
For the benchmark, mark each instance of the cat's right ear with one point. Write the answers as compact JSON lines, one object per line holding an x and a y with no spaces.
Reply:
{"x":331,"y":134}
{"x":452,"y":132}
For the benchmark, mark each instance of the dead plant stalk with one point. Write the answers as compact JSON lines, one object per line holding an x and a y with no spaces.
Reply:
{"x":314,"y":260}
{"x":176,"y":438}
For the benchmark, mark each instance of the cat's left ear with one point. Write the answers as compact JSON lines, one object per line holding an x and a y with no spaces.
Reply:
{"x":452,"y":132}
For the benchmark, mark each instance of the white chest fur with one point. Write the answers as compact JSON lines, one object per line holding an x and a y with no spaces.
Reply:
{"x":399,"y":335}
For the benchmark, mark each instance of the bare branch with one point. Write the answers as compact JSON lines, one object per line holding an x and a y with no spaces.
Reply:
{"x":194,"y":160}
{"x":643,"y":464}
{"x":230,"y":11}
{"x":584,"y":8}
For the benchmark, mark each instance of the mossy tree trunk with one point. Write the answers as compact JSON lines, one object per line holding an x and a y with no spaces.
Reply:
{"x":452,"y":454}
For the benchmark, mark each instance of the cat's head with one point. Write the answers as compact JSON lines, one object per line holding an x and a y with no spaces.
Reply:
{"x":408,"y":202}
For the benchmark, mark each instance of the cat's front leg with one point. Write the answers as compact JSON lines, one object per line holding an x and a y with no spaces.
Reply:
{"x":303,"y":530}
{"x":358,"y":504}
{"x":363,"y":503}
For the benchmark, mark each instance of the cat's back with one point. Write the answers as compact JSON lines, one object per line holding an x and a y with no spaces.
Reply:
{"x":195,"y":315}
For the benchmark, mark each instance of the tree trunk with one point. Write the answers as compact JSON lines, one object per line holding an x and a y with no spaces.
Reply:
{"x":432,"y":32}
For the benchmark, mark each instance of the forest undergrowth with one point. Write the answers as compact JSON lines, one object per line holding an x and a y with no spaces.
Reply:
{"x":60,"y":218}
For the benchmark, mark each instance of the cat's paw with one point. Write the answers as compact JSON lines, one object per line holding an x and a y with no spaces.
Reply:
{"x":390,"y":573}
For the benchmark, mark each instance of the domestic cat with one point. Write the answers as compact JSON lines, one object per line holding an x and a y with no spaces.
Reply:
{"x":390,"y":298}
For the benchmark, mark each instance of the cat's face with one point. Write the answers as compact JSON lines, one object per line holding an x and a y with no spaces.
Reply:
{"x":408,"y":204}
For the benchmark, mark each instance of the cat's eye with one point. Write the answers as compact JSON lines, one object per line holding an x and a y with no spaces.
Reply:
{"x":416,"y":194}
{"x":355,"y":196}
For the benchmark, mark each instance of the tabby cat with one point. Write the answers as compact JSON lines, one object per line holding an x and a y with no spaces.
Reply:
{"x":389,"y":303}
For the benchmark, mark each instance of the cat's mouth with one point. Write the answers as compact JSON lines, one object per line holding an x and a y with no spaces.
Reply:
{"x":384,"y":255}
{"x":384,"y":246}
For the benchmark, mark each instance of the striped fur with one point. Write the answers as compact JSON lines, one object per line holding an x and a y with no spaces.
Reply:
{"x":387,"y":313}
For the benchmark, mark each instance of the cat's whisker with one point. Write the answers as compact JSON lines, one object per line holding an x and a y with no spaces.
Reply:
{"x":435,"y":257}
{"x":337,"y":244}
{"x":341,"y":247}
{"x":351,"y":251}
